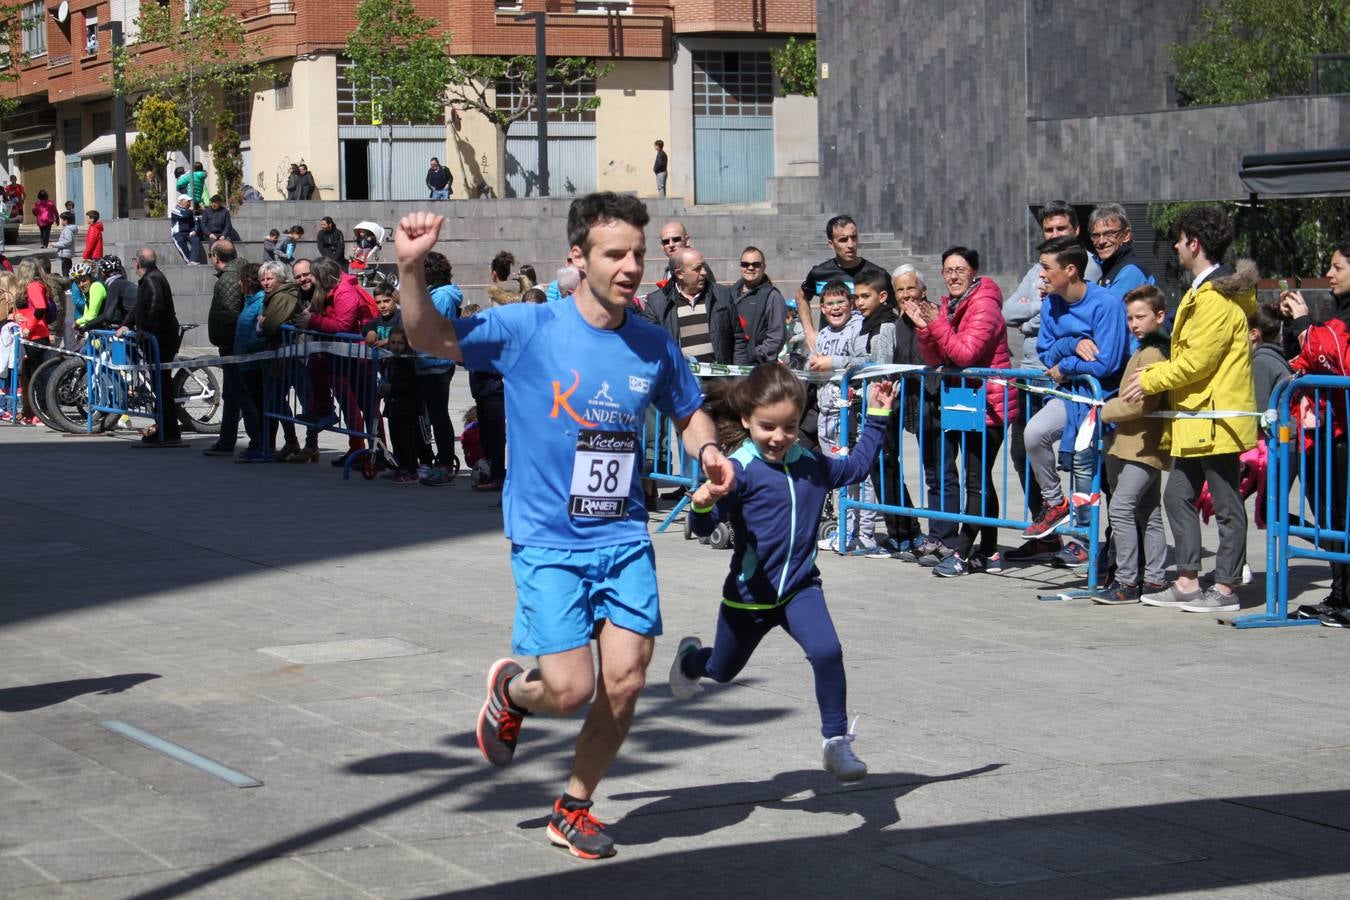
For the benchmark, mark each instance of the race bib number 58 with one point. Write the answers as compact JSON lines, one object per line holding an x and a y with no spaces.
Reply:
{"x":602,"y":474}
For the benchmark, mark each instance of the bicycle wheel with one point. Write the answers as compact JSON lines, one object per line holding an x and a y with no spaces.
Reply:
{"x":37,"y":390}
{"x":198,"y":400}
{"x":66,"y":396}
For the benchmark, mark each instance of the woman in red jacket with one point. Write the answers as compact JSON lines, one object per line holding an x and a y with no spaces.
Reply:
{"x":967,"y":332}
{"x":341,"y":307}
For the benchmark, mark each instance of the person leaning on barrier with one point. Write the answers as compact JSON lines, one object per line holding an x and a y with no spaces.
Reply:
{"x":227,"y":299}
{"x":1209,"y":369}
{"x":760,"y":312}
{"x":281,"y":307}
{"x":1325,"y":350}
{"x":966,"y":331}
{"x":154,"y":315}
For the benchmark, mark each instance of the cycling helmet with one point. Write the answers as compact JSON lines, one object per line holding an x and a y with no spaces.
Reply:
{"x":110,"y":265}
{"x":81,"y":270}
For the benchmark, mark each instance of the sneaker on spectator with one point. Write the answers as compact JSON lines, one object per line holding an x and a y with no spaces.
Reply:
{"x":439,"y":476}
{"x":933,"y":554}
{"x":1051,"y":517}
{"x":952,"y":567}
{"x":405,"y":478}
{"x":1036,"y":550}
{"x":1171,"y":596}
{"x":218,"y":450}
{"x":893,"y":546}
{"x":256,"y":455}
{"x":485,"y":487}
{"x":1336,"y":618}
{"x":1314,"y":610}
{"x":1117,"y":593}
{"x":996,"y":562}
{"x":866,"y":547}
{"x":1212,"y":601}
{"x":911,"y":553}
{"x":1071,"y":555}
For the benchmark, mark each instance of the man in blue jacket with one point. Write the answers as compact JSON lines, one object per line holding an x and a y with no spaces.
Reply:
{"x":1109,"y":231}
{"x":1082,"y":333}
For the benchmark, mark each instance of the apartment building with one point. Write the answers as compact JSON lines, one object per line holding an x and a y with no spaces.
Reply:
{"x":692,"y":73}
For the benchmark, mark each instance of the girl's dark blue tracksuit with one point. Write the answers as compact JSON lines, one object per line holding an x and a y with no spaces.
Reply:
{"x":775,"y":511}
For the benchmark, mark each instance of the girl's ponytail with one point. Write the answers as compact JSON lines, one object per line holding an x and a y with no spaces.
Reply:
{"x":729,"y":401}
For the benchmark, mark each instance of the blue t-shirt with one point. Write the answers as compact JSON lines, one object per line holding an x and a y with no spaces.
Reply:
{"x":576,"y":398}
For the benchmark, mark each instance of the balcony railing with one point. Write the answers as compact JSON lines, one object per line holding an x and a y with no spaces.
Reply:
{"x":56,"y":61}
{"x":270,"y":8}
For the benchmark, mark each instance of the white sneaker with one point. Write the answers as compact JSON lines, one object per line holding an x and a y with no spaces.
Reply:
{"x":827,"y":544}
{"x":840,"y":760}
{"x":681,"y":685}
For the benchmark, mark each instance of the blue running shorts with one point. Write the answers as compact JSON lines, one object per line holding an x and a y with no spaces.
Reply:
{"x":561,"y":595}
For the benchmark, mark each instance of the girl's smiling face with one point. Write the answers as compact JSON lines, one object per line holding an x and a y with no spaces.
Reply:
{"x":773,"y":428}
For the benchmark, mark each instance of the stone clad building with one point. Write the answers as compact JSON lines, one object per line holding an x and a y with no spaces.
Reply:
{"x":949,"y":122}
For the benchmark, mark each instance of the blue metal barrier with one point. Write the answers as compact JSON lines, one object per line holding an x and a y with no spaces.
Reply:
{"x":129,"y":392}
{"x":336,"y":385}
{"x":666,"y":463}
{"x":1294,"y":448}
{"x":960,"y":398}
{"x":10,"y":402}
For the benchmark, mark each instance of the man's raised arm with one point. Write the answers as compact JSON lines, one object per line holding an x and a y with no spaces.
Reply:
{"x":427,"y":329}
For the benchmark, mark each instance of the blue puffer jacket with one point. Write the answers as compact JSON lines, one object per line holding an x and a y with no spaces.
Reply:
{"x":447,"y":298}
{"x":775,"y":511}
{"x":246,"y":337}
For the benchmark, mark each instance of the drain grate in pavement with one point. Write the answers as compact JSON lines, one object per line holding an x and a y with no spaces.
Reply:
{"x":345,"y":651}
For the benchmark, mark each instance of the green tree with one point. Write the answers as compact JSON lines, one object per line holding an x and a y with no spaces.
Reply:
{"x":211,"y":60}
{"x":474,"y":78}
{"x":404,"y":58}
{"x":1255,"y":49}
{"x":161,"y":131}
{"x":795,"y":66}
{"x":1294,"y":236}
{"x":227,"y":159}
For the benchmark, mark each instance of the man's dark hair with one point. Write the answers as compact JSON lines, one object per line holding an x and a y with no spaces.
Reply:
{"x":438,"y":269}
{"x":1057,"y":208}
{"x":178,"y":170}
{"x":753,"y":249}
{"x":216,"y":198}
{"x":876,"y":280}
{"x":660,"y":145}
{"x":970,"y":256}
{"x":837,"y":222}
{"x":1208,"y":225}
{"x":502,"y":263}
{"x":435,"y":160}
{"x":224,"y":251}
{"x":198,"y":167}
{"x":1067,"y":251}
{"x":603,"y":206}
{"x":92,"y":214}
{"x":836,"y":287}
{"x":328,"y":220}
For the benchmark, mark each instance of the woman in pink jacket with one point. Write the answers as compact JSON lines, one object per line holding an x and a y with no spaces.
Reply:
{"x":341,"y":307}
{"x":966,"y":332}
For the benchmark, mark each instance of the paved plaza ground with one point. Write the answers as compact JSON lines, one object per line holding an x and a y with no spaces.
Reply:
{"x":330,"y":639}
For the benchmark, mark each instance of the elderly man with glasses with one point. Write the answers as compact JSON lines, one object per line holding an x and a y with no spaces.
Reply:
{"x":761,"y":312}
{"x":1113,"y":244}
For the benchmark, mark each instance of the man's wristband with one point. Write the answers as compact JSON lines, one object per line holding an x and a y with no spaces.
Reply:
{"x":712,"y":444}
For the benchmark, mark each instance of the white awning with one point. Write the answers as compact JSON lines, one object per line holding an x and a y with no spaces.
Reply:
{"x":106,"y":144}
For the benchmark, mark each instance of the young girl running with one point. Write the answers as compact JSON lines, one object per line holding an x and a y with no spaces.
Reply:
{"x":774,"y":511}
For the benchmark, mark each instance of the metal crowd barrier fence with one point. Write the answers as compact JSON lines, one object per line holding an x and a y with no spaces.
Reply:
{"x":941,"y":418}
{"x":10,"y":402}
{"x":1302,"y":443}
{"x":333,"y":379}
{"x":666,"y":463}
{"x":129,"y":392}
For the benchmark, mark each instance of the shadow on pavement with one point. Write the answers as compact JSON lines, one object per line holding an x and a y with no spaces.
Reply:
{"x":36,"y":696}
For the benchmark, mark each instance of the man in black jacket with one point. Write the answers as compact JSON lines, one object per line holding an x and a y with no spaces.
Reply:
{"x":439,"y":180}
{"x":761,"y":312}
{"x":699,"y":315}
{"x":846,"y":265}
{"x":227,"y":301}
{"x":154,"y":315}
{"x":305,"y":187}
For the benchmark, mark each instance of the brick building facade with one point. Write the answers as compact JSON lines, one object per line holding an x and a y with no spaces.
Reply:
{"x":668,"y":62}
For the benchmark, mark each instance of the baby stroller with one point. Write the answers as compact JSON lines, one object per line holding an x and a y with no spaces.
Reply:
{"x":367,"y":238}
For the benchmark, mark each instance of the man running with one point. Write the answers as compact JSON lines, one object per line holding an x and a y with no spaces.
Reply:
{"x":573,"y":505}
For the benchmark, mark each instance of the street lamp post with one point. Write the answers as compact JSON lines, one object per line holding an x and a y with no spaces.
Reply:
{"x":120,"y":164}
{"x":541,"y":93}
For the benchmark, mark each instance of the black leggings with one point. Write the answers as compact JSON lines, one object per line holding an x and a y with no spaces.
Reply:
{"x":940,"y":450}
{"x":434,"y":389}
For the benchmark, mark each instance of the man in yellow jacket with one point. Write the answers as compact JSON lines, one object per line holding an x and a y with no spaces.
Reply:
{"x":1209,"y":372}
